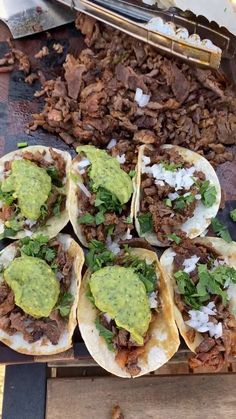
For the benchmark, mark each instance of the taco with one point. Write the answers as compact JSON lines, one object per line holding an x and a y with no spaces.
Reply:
{"x":125,"y":312}
{"x":39,"y":286}
{"x":203,"y":276}
{"x":100,"y":197}
{"x":33,"y":192}
{"x":178,"y":193}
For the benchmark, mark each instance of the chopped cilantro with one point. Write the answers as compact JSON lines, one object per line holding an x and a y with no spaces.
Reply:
{"x":38,"y":247}
{"x":14,"y":224}
{"x":57,"y":206}
{"x":171,"y":167}
{"x":221,"y":230}
{"x":147,"y":273}
{"x":43,"y":211}
{"x":86,"y":219}
{"x":7,"y":233}
{"x":109,"y":229}
{"x":98,"y":255}
{"x":132,"y":173}
{"x":145,"y":221}
{"x":168,"y":202}
{"x":209,"y":283}
{"x":208,"y":193}
{"x":233,"y":215}
{"x":175,"y":238}
{"x":52,"y":171}
{"x":64,"y":304}
{"x":99,"y":218}
{"x":105,"y":333}
{"x":7,"y":197}
{"x":107,"y":201}
{"x":128,"y":220}
{"x":182,"y":201}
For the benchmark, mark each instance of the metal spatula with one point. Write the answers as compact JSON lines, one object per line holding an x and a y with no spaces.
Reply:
{"x":27,"y":17}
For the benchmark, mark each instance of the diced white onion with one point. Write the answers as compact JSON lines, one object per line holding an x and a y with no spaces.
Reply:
{"x":82,"y":171}
{"x":111,"y":143}
{"x":140,"y":98}
{"x":28,"y":233}
{"x":83,"y":163}
{"x":160,"y":183}
{"x":121,"y":159}
{"x":107,"y":317}
{"x":190,"y":264}
{"x":173,"y":196}
{"x":199,"y":320}
{"x":146,"y":160}
{"x":172,"y":254}
{"x":84,"y":189}
{"x":181,"y":178}
{"x":198,"y":197}
{"x":30,"y":223}
{"x":59,"y":276}
{"x":127,"y":235}
{"x":153,"y":300}
{"x":112,"y":246}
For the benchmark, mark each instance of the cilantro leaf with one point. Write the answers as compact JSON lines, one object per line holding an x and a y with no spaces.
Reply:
{"x":208,"y":193}
{"x":64,"y":303}
{"x":98,"y":256}
{"x":37,"y":247}
{"x":43,"y":211}
{"x":182,"y":201}
{"x":171,"y":167}
{"x":132,"y":173}
{"x":174,"y":237}
{"x":233,"y":215}
{"x":221,"y":230}
{"x":168,"y":202}
{"x":145,"y":221}
{"x":52,"y":171}
{"x":146,"y":273}
{"x":99,"y":218}
{"x":7,"y":197}
{"x":107,"y":201}
{"x":86,"y":219}
{"x":105,"y":333}
{"x":128,"y":220}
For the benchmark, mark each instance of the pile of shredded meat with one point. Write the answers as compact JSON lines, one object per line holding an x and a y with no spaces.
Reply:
{"x":13,"y":319}
{"x":212,"y":352}
{"x":7,"y":212}
{"x":95,"y":100}
{"x":165,"y":218}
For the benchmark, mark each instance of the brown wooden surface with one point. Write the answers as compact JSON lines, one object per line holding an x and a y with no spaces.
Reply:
{"x":190,"y":397}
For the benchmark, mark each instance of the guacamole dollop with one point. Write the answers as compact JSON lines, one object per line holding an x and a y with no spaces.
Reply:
{"x":31,"y":185}
{"x":34,"y":285}
{"x":106,"y":172}
{"x":119,"y":292}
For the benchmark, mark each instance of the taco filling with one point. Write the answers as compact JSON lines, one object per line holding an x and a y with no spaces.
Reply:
{"x":124,"y":290}
{"x":104,"y":192}
{"x":35,"y":295}
{"x":205,"y":285}
{"x":171,"y":188}
{"x":32,"y":190}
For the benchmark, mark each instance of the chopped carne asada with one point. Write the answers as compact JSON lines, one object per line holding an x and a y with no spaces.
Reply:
{"x":205,"y":284}
{"x":13,"y":318}
{"x":171,"y":189}
{"x":94,"y":101}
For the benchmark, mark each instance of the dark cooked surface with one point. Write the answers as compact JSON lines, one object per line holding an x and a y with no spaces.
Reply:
{"x":17,"y":103}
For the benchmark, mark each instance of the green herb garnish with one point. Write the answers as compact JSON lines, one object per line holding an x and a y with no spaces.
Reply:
{"x":52,"y":171}
{"x":38,"y":247}
{"x":57,"y":206}
{"x":22,"y":145}
{"x":106,"y":201}
{"x":132,"y":173}
{"x":208,"y":193}
{"x":182,"y":201}
{"x":168,"y":202}
{"x":98,"y":255}
{"x":145,"y":221}
{"x":105,"y":333}
{"x":43,"y":211}
{"x":128,"y":220}
{"x":64,"y":304}
{"x":233,"y":215}
{"x":146,"y":272}
{"x":171,"y":167}
{"x":7,"y":197}
{"x":174,"y":237}
{"x":221,"y":230}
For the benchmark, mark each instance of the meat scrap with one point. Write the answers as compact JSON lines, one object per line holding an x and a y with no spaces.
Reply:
{"x":42,"y":53}
{"x":116,"y":413}
{"x":190,"y":107}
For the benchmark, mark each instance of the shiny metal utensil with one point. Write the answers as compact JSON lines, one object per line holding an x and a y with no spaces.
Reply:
{"x":27,"y":17}
{"x":165,"y":29}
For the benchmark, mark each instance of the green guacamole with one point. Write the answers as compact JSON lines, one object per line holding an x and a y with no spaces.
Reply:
{"x":31,"y":185}
{"x":106,"y":172}
{"x":119,"y":292}
{"x":34,"y":285}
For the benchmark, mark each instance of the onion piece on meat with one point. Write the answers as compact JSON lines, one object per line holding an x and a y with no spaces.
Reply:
{"x":111,"y":143}
{"x":84,"y":189}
